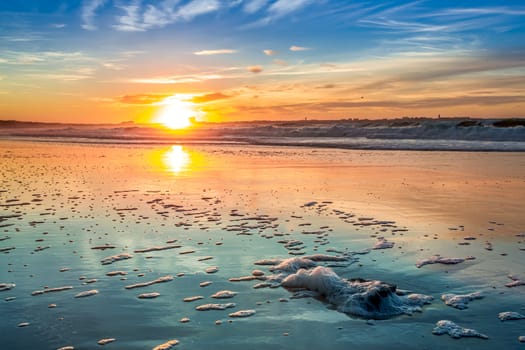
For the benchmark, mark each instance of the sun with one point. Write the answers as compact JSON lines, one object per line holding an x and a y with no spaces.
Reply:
{"x":177,"y":112}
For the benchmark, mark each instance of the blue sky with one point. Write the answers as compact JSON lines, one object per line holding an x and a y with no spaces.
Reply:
{"x":116,"y":60}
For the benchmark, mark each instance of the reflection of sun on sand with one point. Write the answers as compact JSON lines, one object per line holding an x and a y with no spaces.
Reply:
{"x":178,"y":112}
{"x":176,"y":159}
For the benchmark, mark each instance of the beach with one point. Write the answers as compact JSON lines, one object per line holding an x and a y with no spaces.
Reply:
{"x":151,"y":233}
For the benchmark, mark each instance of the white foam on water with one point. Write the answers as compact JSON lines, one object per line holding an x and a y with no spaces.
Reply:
{"x":224,"y":294}
{"x":6,"y":286}
{"x":167,"y":345}
{"x":369,"y":299}
{"x":151,"y":295}
{"x":114,"y":258}
{"x":455,"y":331}
{"x":105,"y":341}
{"x":460,"y":301}
{"x":162,"y":279}
{"x":51,"y":290}
{"x":437,"y":259}
{"x":242,"y":313}
{"x":207,"y":307}
{"x":86,"y":293}
{"x":510,"y":316}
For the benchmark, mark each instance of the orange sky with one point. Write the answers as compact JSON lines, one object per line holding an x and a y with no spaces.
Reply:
{"x":97,"y":61}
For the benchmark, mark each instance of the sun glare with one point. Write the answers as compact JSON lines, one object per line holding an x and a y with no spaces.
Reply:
{"x":177,"y":112}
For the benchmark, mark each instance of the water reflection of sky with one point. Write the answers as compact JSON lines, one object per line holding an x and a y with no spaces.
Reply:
{"x":176,"y":159}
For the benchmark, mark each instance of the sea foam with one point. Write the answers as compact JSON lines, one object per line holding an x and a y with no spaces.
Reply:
{"x":363,"y":298}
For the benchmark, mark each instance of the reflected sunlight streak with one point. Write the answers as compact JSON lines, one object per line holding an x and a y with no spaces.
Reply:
{"x":176,"y":159}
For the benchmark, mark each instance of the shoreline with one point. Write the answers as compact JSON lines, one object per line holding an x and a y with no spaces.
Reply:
{"x":474,"y":146}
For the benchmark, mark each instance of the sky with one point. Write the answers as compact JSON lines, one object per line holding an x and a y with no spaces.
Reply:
{"x":112,"y":61}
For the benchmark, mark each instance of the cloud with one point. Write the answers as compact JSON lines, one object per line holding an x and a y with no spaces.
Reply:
{"x":177,"y":79}
{"x":160,"y":16}
{"x":255,"y":69}
{"x":277,"y":10}
{"x":280,"y":62}
{"x":61,"y":76}
{"x":196,"y":8}
{"x":270,"y":52}
{"x":131,"y":21}
{"x":298,"y":48}
{"x":210,"y":97}
{"x":138,"y":18}
{"x":214,"y":52}
{"x":142,"y":99}
{"x":58,"y":25}
{"x":29,"y":59}
{"x":88,"y":13}
{"x":284,"y":7}
{"x":253,"y":6}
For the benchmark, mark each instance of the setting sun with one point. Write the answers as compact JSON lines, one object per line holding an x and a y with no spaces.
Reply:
{"x":177,"y":112}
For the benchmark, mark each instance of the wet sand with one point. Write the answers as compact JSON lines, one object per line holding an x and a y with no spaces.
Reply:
{"x":99,"y":220}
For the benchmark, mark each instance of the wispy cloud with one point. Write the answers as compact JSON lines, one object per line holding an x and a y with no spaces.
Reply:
{"x":214,"y":52}
{"x":131,"y":20}
{"x":280,"y":62}
{"x":196,"y":8}
{"x":282,"y":8}
{"x":88,"y":13}
{"x":210,"y":97}
{"x":255,"y":69}
{"x":481,"y":11}
{"x":253,"y":6}
{"x":298,"y":48}
{"x":139,"y":18}
{"x":279,"y":9}
{"x":177,"y":79}
{"x":142,"y":99}
{"x":270,"y":52}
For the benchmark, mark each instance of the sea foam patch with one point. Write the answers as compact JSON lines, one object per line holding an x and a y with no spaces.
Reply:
{"x":363,"y":298}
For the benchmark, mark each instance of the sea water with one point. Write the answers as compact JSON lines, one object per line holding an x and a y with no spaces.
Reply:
{"x":252,"y":247}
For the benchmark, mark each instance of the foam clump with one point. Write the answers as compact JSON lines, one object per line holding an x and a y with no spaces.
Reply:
{"x":114,"y":258}
{"x":383,"y":244}
{"x":515,"y":282}
{"x":437,"y":259}
{"x":86,"y":293}
{"x":156,"y":249}
{"x":151,"y":295}
{"x":116,"y":273}
{"x":510,"y":316}
{"x":69,"y":347}
{"x":370,"y":299}
{"x":51,"y":290}
{"x":207,"y":307}
{"x":455,"y":331}
{"x":167,"y":345}
{"x":460,"y":301}
{"x":193,"y":298}
{"x":6,"y":286}
{"x":224,"y":294}
{"x":212,"y":269}
{"x":242,"y":313}
{"x":106,"y":341}
{"x":149,"y":283}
